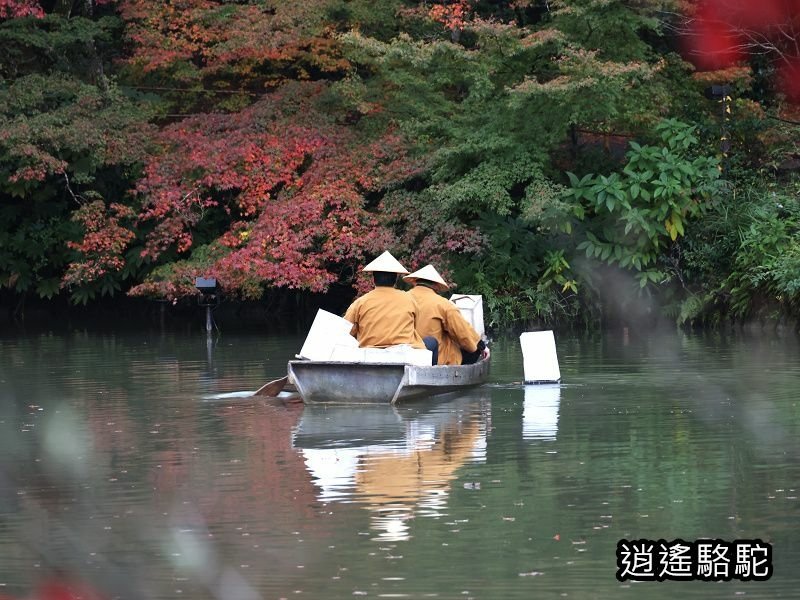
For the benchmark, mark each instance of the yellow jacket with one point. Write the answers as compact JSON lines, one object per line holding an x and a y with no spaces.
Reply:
{"x":384,"y":317}
{"x":442,"y":319}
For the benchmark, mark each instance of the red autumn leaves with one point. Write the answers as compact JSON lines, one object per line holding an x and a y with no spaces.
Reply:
{"x":103,"y":242}
{"x":12,"y":9}
{"x":722,"y":33}
{"x":453,"y":15}
{"x":284,"y":186}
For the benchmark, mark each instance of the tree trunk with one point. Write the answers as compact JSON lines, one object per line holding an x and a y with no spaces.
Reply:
{"x":63,"y":8}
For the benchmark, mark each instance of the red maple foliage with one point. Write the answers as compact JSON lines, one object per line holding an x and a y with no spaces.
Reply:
{"x":290,"y":184}
{"x":453,"y":15}
{"x":104,"y":240}
{"x":13,"y":9}
{"x":61,"y":588}
{"x":249,"y":40}
{"x":283,"y":193}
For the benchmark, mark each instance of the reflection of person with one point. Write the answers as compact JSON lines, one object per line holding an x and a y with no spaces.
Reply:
{"x":459,"y":343}
{"x":400,"y":462}
{"x":395,"y":480}
{"x":393,"y":484}
{"x":385,"y":316}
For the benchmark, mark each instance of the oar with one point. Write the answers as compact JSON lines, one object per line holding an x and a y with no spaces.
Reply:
{"x":272,"y":388}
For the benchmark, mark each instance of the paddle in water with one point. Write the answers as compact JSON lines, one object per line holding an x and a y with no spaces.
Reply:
{"x":272,"y":388}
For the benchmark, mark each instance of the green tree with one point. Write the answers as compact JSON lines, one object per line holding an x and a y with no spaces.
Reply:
{"x":69,"y":137}
{"x":492,"y":114}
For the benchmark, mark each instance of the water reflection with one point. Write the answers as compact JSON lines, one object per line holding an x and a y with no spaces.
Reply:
{"x":540,"y":412}
{"x":398,"y":462}
{"x":116,"y":476}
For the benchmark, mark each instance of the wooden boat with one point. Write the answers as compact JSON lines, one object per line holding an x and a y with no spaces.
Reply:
{"x":379,"y":383}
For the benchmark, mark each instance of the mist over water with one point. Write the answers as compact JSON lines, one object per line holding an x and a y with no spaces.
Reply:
{"x":138,"y":466}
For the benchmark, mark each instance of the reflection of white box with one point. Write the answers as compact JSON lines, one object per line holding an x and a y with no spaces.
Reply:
{"x":327,"y":331}
{"x":471,"y":307}
{"x":333,"y":470}
{"x":539,"y":359}
{"x":540,"y":412}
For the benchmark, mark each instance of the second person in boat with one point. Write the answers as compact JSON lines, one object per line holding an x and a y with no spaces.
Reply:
{"x":459,"y":343}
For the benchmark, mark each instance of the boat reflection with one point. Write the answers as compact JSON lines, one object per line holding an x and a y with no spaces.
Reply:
{"x":398,"y":462}
{"x":540,"y":412}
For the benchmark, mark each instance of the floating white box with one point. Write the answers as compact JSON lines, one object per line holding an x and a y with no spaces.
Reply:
{"x":540,"y":362}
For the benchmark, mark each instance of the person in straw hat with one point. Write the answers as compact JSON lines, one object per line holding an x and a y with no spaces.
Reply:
{"x":386,"y":316}
{"x":459,"y":343}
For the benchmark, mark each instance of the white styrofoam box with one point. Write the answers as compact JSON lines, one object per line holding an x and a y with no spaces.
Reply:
{"x":540,"y":362}
{"x":402,"y":354}
{"x":471,"y":307}
{"x":327,"y":331}
{"x":540,"y":412}
{"x":348,"y":353}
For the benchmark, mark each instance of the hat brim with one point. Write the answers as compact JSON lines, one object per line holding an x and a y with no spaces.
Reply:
{"x":438,"y":286}
{"x":386,"y":263}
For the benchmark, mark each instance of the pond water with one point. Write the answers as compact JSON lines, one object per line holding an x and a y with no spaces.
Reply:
{"x":135,"y":466}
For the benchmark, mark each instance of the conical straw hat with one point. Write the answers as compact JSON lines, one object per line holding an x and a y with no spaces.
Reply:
{"x":387,"y":263}
{"x":429,"y":273}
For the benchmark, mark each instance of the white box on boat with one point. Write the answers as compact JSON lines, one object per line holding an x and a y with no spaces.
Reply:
{"x":404,"y":355}
{"x":347,"y":354}
{"x":471,"y":307}
{"x":329,"y":339}
{"x":327,"y":332}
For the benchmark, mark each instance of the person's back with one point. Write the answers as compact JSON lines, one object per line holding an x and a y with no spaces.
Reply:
{"x":441,"y":319}
{"x":385,"y":316}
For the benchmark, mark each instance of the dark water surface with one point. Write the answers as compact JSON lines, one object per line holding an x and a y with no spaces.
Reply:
{"x":134,"y":465}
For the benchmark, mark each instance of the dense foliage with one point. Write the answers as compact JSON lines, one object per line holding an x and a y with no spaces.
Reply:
{"x":561,"y":158}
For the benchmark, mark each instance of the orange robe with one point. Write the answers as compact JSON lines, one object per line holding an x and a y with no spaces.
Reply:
{"x":384,"y":317}
{"x":441,"y":319}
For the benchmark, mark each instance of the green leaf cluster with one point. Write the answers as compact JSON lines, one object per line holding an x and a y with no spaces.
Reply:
{"x":67,"y":135}
{"x":766,"y":268}
{"x":634,"y":215}
{"x":79,"y":45}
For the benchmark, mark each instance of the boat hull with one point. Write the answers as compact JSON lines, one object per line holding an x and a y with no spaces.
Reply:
{"x":381,"y":383}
